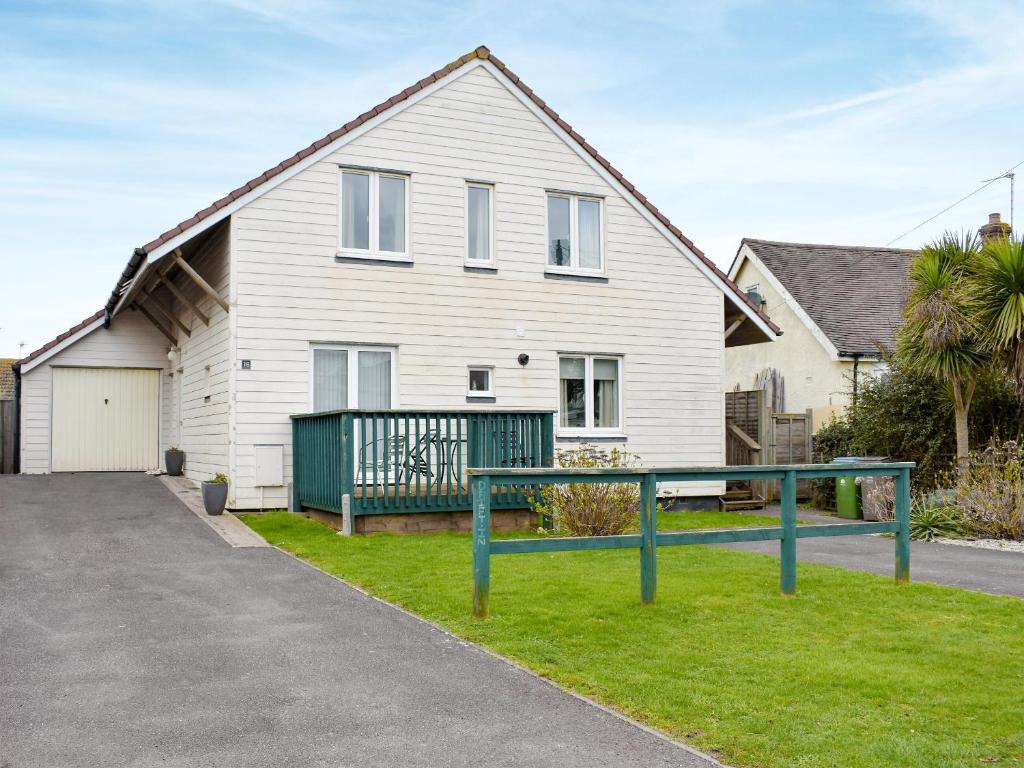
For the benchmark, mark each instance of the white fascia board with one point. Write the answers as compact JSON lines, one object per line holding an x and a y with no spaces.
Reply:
{"x":178,"y":240}
{"x":628,"y":196}
{"x":57,"y":349}
{"x":747,"y":253}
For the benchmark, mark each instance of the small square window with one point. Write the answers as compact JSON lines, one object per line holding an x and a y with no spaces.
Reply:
{"x":481,"y":381}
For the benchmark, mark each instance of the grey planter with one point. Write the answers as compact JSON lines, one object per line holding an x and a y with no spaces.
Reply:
{"x":174,"y":461}
{"x":215,"y":496}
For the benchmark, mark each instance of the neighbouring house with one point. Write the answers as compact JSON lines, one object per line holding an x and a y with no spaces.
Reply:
{"x":458,"y":255}
{"x":839,"y":307}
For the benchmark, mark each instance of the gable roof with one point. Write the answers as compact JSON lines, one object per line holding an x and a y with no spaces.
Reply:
{"x":482,"y":54}
{"x":63,"y":337}
{"x":7,"y":378}
{"x":855,"y":295}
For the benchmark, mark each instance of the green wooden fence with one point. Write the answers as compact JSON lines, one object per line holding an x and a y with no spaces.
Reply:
{"x":374,"y":462}
{"x":485,"y":480}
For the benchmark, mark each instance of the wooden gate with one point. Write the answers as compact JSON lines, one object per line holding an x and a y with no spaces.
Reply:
{"x":784,"y":438}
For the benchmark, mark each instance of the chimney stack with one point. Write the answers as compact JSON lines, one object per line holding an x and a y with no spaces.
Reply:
{"x":996,"y":227}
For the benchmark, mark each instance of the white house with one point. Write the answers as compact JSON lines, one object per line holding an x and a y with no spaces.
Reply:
{"x":839,"y":307}
{"x":457,"y":246}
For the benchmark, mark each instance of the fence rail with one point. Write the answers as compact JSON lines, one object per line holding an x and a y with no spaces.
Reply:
{"x":372,"y":462}
{"x":483,"y":480}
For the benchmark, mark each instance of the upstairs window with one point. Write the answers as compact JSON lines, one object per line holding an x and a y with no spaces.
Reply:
{"x":479,"y":224}
{"x":574,"y":230}
{"x":373,"y":219}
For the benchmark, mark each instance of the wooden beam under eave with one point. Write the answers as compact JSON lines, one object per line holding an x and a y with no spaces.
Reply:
{"x":166,"y":312}
{"x":198,"y":280}
{"x":162,"y":278}
{"x":736,"y":324}
{"x":154,"y":321}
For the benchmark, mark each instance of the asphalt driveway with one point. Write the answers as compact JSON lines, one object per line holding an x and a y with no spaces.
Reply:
{"x":132,"y":635}
{"x":979,"y":570}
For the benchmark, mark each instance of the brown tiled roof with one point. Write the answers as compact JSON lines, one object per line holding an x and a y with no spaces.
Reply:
{"x":480,"y":53}
{"x":6,"y":378}
{"x":69,"y":332}
{"x":854,"y":294}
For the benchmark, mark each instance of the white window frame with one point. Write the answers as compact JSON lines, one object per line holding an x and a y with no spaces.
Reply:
{"x":574,"y":267}
{"x":489,"y":393}
{"x":489,"y":261}
{"x":374,"y":252}
{"x":353,"y":370}
{"x":589,"y":430}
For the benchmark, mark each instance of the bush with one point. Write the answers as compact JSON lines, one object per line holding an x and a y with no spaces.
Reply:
{"x":990,"y":491}
{"x":929,"y":521}
{"x":591,"y":509}
{"x":908,"y":417}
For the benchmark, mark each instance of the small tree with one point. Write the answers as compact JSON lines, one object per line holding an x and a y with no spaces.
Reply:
{"x":999,"y":280}
{"x":941,"y":336}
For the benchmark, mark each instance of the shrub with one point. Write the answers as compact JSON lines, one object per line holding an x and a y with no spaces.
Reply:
{"x":879,"y":502}
{"x":990,"y":491}
{"x":591,"y":509}
{"x":929,"y":520}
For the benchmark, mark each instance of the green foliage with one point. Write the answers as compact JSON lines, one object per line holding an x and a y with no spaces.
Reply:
{"x":908,"y":416}
{"x":854,"y":671}
{"x":990,"y":491}
{"x":591,"y":509}
{"x":929,"y":520}
{"x":219,"y":478}
{"x":999,"y":277}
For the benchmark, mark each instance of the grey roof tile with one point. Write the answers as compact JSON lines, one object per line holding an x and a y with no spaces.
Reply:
{"x":854,"y":294}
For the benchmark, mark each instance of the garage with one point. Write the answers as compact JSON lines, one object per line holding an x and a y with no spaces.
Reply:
{"x":105,"y":419}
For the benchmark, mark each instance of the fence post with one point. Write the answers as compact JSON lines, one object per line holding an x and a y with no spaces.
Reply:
{"x":903,"y":534}
{"x":648,"y":538}
{"x":547,"y":449}
{"x":296,"y":495}
{"x":787,"y":578}
{"x":348,"y":456}
{"x":481,"y":544}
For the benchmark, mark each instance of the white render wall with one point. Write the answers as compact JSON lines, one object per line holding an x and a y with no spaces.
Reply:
{"x":657,"y":309}
{"x":813,"y":379}
{"x":130,"y":342}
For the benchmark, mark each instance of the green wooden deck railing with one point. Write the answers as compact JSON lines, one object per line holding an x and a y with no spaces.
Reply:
{"x":484,"y":480}
{"x":372,"y":462}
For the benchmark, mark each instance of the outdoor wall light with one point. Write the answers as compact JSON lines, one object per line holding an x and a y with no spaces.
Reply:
{"x":173,"y":355}
{"x":523,"y":358}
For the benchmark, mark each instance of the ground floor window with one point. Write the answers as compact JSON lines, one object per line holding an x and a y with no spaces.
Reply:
{"x":351,"y":377}
{"x":590,"y":394}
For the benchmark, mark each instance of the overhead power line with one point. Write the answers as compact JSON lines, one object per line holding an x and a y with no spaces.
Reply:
{"x":1005,"y":174}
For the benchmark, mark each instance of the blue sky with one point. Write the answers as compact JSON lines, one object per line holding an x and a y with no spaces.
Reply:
{"x":807,"y":121}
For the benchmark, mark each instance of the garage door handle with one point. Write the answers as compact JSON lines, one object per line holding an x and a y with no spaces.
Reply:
{"x":105,"y":401}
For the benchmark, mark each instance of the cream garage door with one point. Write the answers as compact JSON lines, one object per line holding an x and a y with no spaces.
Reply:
{"x":105,"y":419}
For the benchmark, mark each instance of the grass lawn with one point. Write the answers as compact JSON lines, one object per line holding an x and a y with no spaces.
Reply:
{"x":677,"y":521}
{"x":851,"y":672}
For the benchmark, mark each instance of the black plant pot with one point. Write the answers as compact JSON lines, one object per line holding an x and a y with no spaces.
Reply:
{"x":215,"y":496}
{"x":174,"y":461}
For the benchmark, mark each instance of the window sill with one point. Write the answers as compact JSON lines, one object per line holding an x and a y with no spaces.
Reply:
{"x":480,"y":266}
{"x":373,"y":258}
{"x":555,"y":273}
{"x":480,"y":396}
{"x":590,"y":436}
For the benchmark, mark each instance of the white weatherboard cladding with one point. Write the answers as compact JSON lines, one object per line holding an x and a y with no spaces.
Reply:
{"x":130,"y":342}
{"x":656,"y":309}
{"x":105,"y":419}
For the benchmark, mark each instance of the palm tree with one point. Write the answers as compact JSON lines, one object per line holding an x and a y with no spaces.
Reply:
{"x":999,"y":280}
{"x":941,"y":335}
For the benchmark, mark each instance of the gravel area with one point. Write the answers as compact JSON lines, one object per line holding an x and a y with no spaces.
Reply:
{"x":1000,"y":544}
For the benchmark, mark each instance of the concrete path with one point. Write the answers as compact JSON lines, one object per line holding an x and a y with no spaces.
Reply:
{"x":132,"y":635}
{"x":980,"y":570}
